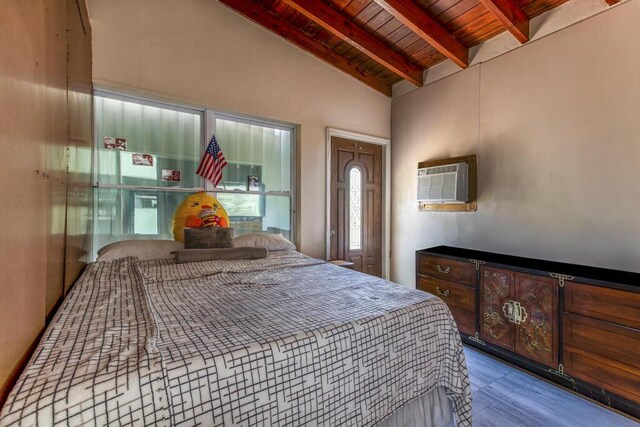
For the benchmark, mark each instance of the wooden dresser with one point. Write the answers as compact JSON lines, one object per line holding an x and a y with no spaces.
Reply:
{"x":578,"y":326}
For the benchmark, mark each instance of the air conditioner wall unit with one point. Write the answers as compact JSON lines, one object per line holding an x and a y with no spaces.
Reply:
{"x":444,"y":184}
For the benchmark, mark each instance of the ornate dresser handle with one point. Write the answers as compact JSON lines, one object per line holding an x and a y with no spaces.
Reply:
{"x":443,"y":293}
{"x":515,"y":312}
{"x":443,"y":270}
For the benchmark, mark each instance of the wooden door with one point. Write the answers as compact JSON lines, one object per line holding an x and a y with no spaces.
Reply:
{"x":356,"y":204}
{"x":537,"y":335}
{"x":496,"y":289}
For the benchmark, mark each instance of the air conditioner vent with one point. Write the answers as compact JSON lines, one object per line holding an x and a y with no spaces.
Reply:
{"x":443,"y":184}
{"x":440,"y":169}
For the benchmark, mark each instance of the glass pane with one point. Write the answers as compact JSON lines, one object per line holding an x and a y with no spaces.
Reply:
{"x":157,"y":139}
{"x":355,"y":209}
{"x":258,"y":157}
{"x":133,"y":214}
{"x":123,"y":214}
{"x":254,"y":213}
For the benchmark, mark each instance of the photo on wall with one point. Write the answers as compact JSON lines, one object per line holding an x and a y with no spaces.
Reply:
{"x":142,"y":159}
{"x":171,"y":175}
{"x":111,"y":143}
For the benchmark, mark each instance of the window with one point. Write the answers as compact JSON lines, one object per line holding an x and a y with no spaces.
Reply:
{"x":256,"y":186}
{"x":355,"y":209}
{"x":137,"y":189}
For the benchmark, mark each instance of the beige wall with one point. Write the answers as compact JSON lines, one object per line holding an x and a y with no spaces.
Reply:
{"x":35,"y":113}
{"x":199,"y":51}
{"x":79,"y":210}
{"x":555,"y":125}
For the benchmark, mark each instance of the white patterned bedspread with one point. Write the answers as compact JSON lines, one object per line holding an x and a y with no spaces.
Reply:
{"x":284,"y":341}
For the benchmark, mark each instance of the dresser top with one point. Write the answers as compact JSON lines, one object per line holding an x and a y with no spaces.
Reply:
{"x":600,"y":276}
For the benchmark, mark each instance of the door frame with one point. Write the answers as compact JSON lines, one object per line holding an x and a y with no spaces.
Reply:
{"x":386,"y":190}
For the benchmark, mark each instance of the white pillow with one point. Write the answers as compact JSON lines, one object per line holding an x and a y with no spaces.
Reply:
{"x":271,"y":242}
{"x":143,"y":249}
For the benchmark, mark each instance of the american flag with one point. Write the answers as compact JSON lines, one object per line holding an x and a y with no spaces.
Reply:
{"x":212,"y":162}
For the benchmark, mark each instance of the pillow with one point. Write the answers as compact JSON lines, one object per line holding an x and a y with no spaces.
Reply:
{"x":218,"y":254}
{"x":271,"y":242}
{"x":209,"y":237}
{"x":143,"y":249}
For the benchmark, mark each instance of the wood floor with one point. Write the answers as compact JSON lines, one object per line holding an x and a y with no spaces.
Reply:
{"x":506,"y":396}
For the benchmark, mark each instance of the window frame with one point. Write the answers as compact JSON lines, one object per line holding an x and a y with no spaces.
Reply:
{"x":208,"y":120}
{"x":212,"y":115}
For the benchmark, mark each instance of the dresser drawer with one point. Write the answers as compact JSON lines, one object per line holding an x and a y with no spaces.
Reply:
{"x":612,"y":305}
{"x":603,"y":354}
{"x":603,"y":372}
{"x":446,"y":269}
{"x":466,"y":320}
{"x":454,"y":295}
{"x":603,"y":338}
{"x":460,"y":299}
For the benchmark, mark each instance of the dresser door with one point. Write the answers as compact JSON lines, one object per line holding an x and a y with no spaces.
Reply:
{"x":537,"y":334}
{"x":496,"y":290}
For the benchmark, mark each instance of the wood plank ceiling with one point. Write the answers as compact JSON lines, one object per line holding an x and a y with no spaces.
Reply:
{"x":382,"y":42}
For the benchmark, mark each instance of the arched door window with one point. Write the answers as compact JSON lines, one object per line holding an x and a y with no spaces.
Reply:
{"x":355,"y":208}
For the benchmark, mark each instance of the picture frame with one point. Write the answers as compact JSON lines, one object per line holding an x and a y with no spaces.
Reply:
{"x":253,"y":183}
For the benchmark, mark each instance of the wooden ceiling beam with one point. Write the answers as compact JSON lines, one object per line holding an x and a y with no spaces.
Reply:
{"x":342,"y":27}
{"x":258,"y":14}
{"x":511,"y":16}
{"x":413,"y":17}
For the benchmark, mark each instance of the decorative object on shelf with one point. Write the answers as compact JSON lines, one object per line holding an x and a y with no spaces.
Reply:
{"x":448,"y":185}
{"x":198,"y":210}
{"x":253,"y":183}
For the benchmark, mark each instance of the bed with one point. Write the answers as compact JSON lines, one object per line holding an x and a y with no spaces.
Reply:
{"x":287,"y":340}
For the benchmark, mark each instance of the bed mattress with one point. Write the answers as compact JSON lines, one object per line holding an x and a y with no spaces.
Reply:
{"x":287,"y":340}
